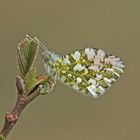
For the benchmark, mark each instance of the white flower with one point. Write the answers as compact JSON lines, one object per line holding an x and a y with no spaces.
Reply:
{"x":116,"y":74}
{"x":113,"y":80}
{"x":69,"y":75}
{"x":66,"y":60}
{"x":102,"y":90}
{"x":120,"y":69}
{"x":113,"y":60}
{"x":79,"y":80}
{"x":85,"y":71}
{"x":63,"y":71}
{"x":98,"y":77}
{"x":97,"y":60}
{"x":94,"y":67}
{"x":112,"y":70}
{"x":90,"y":53}
{"x":92,"y":89}
{"x":108,"y":81}
{"x":101,"y":54}
{"x":92,"y":81}
{"x":76,"y":55}
{"x":120,"y":64}
{"x":78,"y":67}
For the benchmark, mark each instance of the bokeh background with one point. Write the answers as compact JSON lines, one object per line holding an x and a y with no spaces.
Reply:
{"x":68,"y":25}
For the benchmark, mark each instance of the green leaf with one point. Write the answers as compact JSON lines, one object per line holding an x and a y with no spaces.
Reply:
{"x":30,"y":80}
{"x":27,"y":52}
{"x":2,"y":138}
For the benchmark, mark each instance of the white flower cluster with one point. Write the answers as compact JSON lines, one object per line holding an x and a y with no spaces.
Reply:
{"x":79,"y":80}
{"x":91,"y":70}
{"x":76,"y":55}
{"x":78,"y":67}
{"x":92,"y":90}
{"x":97,"y":58}
{"x":90,"y":53}
{"x":66,"y":60}
{"x":115,"y":61}
{"x":94,"y":67}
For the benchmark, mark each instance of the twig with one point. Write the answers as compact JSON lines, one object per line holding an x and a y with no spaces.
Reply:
{"x":22,"y":100}
{"x":12,"y":117}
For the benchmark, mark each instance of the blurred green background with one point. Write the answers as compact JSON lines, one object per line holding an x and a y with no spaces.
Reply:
{"x":68,"y":25}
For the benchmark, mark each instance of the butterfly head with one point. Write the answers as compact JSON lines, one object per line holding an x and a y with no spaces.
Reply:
{"x":49,"y":62}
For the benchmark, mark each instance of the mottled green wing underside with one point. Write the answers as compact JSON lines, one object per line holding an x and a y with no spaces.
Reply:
{"x":89,"y":70}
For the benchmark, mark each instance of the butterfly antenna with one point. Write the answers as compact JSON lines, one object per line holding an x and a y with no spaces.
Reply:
{"x":43,"y":46}
{"x":40,"y":44}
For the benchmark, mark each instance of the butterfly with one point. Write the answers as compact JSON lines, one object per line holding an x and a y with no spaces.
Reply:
{"x":90,"y":71}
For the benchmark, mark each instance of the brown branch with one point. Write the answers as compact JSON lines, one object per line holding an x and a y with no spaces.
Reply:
{"x":22,"y":100}
{"x":12,"y":117}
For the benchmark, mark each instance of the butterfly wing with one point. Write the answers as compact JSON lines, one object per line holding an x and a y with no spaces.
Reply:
{"x":89,"y":70}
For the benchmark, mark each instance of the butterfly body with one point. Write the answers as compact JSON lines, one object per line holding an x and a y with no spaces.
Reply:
{"x":50,"y":59}
{"x":90,"y":71}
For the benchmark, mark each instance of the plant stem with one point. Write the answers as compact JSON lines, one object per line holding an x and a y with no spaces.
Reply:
{"x":12,"y":117}
{"x":22,"y":100}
